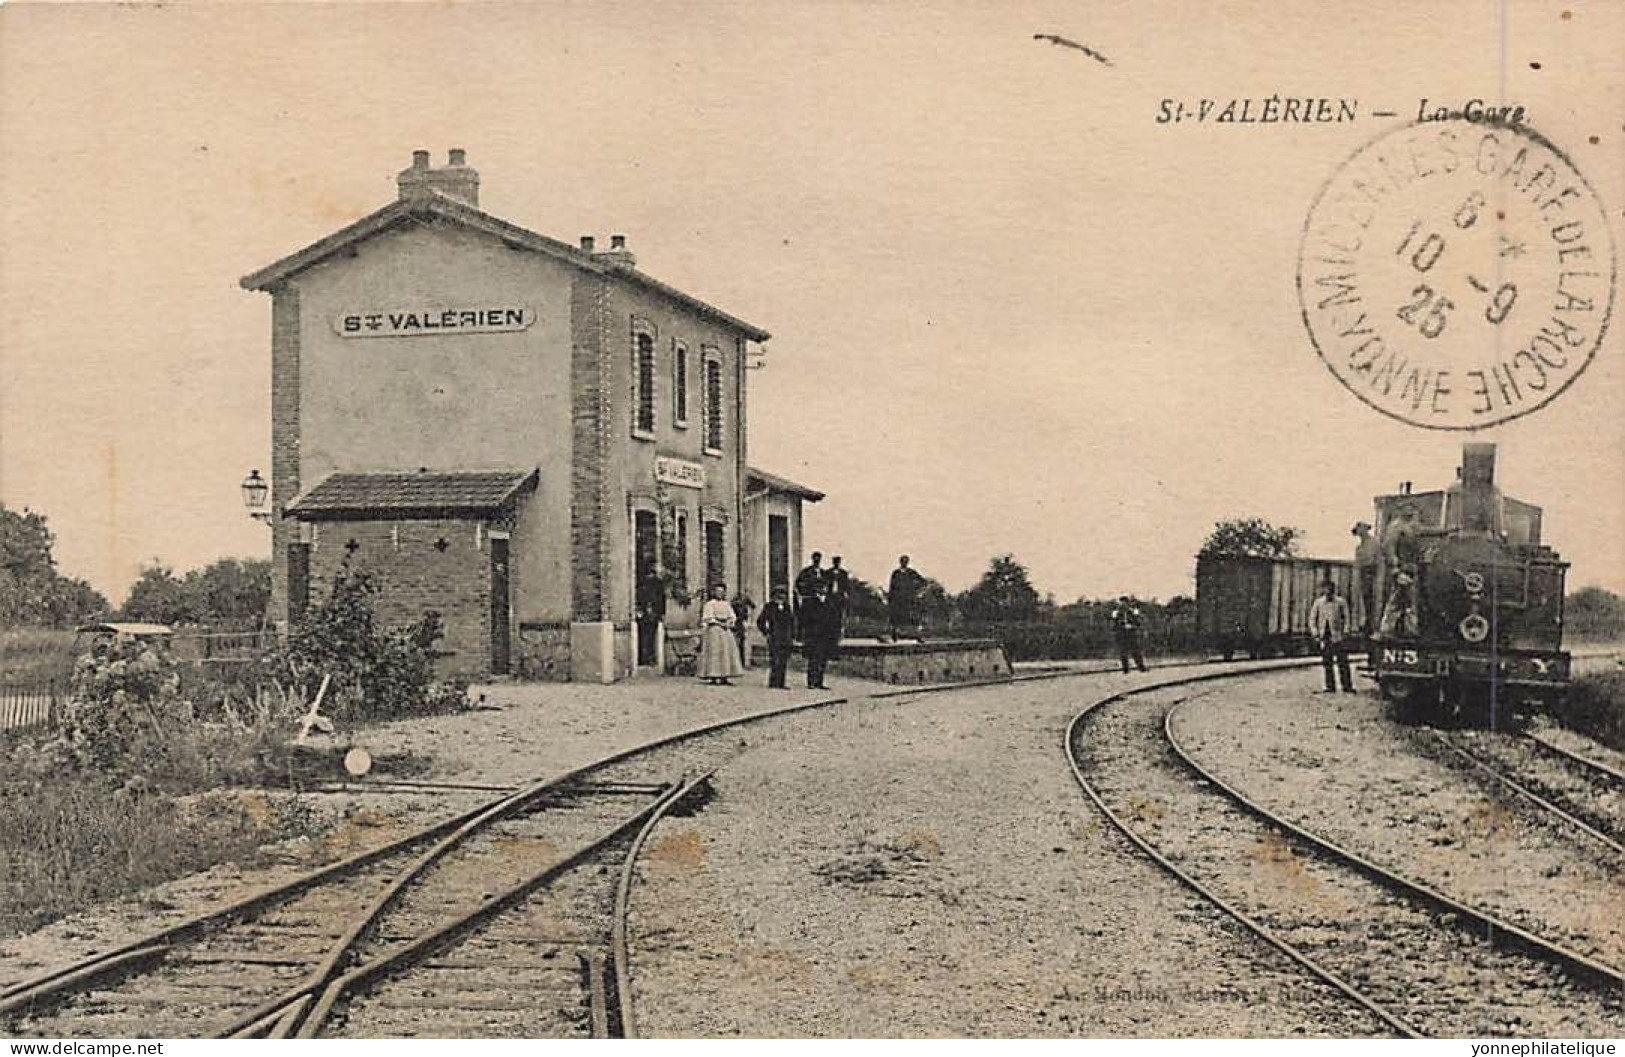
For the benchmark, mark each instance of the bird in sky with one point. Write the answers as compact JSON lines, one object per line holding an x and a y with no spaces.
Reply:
{"x":1065,"y":43}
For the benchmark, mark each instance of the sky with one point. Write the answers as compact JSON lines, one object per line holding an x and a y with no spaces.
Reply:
{"x":1011,"y":311}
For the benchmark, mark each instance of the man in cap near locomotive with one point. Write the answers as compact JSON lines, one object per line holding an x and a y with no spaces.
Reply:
{"x":1402,"y":549}
{"x":1329,"y":624}
{"x":1367,"y":553}
{"x":1125,"y":618}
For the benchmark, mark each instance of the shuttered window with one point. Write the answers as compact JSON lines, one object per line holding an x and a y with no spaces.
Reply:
{"x":679,"y":385}
{"x":713,"y":405}
{"x":643,"y":420}
{"x":715,"y":566}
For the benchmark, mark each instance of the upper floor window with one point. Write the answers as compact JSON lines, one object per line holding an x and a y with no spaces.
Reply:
{"x":679,"y":384}
{"x":643,"y":394}
{"x":713,"y":404}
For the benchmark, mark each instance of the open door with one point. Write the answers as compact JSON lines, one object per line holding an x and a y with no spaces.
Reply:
{"x":501,"y":607}
{"x":650,"y":600}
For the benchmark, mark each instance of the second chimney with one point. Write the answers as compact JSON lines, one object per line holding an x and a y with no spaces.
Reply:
{"x":455,"y":180}
{"x":617,"y":253}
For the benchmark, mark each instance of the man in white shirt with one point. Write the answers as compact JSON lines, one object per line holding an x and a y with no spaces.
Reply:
{"x":1329,"y":624}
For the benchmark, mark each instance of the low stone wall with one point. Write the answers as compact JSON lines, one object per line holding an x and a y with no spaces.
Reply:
{"x":913,"y":663}
{"x":542,"y":651}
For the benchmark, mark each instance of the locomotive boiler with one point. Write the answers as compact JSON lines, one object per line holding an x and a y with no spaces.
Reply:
{"x":1470,"y":602}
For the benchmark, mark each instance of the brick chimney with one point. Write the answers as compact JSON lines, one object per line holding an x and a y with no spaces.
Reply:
{"x":455,"y":180}
{"x":617,"y":253}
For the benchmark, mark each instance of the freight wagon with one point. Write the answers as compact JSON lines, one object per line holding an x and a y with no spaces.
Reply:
{"x":1261,"y":605}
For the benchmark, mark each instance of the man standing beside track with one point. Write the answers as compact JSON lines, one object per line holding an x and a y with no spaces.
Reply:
{"x":1329,"y":624}
{"x":1125,"y":618}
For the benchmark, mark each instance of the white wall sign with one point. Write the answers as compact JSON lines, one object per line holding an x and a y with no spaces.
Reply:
{"x":679,"y":472}
{"x":416,"y":322}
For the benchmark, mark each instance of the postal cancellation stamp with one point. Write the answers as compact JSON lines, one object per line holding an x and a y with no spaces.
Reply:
{"x":1455,"y":274}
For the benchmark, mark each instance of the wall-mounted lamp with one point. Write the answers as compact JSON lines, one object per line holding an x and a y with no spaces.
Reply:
{"x":254,"y":492}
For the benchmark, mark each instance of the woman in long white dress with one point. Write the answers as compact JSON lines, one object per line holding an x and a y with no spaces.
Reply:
{"x":719,"y":653}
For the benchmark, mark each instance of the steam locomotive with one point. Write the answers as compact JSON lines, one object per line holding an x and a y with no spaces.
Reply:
{"x":1471,"y":613}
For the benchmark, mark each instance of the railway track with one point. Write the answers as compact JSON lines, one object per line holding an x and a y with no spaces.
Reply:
{"x":1563,"y":787}
{"x":480,"y":915}
{"x":1417,"y":961}
{"x":309,"y":955}
{"x":507,"y":919}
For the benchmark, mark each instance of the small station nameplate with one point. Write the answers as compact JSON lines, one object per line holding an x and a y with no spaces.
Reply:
{"x":680,"y":472}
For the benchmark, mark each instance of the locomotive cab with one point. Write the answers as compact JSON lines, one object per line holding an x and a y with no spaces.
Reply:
{"x":1485,"y":639}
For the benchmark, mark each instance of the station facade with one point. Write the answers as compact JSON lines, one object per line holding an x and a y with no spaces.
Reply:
{"x":534,"y":439}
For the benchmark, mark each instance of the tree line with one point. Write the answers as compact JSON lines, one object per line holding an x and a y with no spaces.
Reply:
{"x":228,"y":594}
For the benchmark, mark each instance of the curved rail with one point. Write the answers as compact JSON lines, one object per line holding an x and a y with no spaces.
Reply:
{"x":1595,"y":768}
{"x":1501,"y":777}
{"x":1494,"y":928}
{"x":154,"y":947}
{"x":620,"y":948}
{"x":354,"y":980}
{"x":1257,"y":928}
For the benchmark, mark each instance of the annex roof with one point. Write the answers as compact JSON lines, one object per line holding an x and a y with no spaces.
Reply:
{"x":761,"y":480}
{"x":400,"y":495}
{"x":433,"y":204}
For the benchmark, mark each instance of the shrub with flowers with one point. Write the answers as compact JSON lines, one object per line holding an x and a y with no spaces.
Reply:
{"x":124,"y":701}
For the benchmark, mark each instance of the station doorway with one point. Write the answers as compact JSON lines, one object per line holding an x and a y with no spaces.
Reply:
{"x":649,"y":603}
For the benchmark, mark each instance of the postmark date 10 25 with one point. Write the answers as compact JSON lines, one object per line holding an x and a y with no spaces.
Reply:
{"x":1455,"y":274}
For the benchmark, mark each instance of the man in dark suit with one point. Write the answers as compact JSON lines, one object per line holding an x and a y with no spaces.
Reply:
{"x":777,"y":623}
{"x":810,"y":619}
{"x":837,"y":592}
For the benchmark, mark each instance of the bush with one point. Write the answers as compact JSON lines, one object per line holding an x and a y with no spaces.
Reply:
{"x":373,"y":673}
{"x":1596,"y":707}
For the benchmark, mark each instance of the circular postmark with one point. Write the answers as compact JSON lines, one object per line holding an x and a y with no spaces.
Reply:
{"x":1457,"y":274}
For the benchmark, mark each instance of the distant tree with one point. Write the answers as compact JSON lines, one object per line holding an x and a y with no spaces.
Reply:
{"x":1005,"y":594}
{"x":1593,"y":612}
{"x":1250,"y":538}
{"x":32,"y":592}
{"x":160,"y":597}
{"x":231,"y":592}
{"x":865,"y":604}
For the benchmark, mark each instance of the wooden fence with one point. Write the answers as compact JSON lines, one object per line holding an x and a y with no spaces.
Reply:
{"x":25,"y":707}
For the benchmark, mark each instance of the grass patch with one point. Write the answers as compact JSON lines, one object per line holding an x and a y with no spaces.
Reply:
{"x":66,"y":844}
{"x":35,"y":656}
{"x":1596,"y":707}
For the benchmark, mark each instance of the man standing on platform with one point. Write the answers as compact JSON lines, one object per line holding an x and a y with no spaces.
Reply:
{"x":777,"y":623}
{"x":837,"y":592}
{"x":810,"y":619}
{"x":1329,"y":624}
{"x":1126,"y":620}
{"x":903,"y":599}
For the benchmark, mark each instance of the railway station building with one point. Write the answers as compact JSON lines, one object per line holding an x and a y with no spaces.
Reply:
{"x":533,"y":438}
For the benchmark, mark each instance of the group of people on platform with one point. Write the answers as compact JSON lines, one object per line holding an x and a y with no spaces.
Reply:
{"x":812,"y":611}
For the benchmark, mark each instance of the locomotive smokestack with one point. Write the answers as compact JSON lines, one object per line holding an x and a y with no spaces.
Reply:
{"x":1480,"y":500}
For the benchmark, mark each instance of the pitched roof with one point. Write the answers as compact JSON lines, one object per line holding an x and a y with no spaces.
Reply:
{"x":773,"y":483}
{"x":430,"y":204}
{"x":399,"y":495}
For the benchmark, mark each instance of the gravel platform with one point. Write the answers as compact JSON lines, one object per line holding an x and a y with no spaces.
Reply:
{"x":927,"y":866}
{"x":1336,"y":765}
